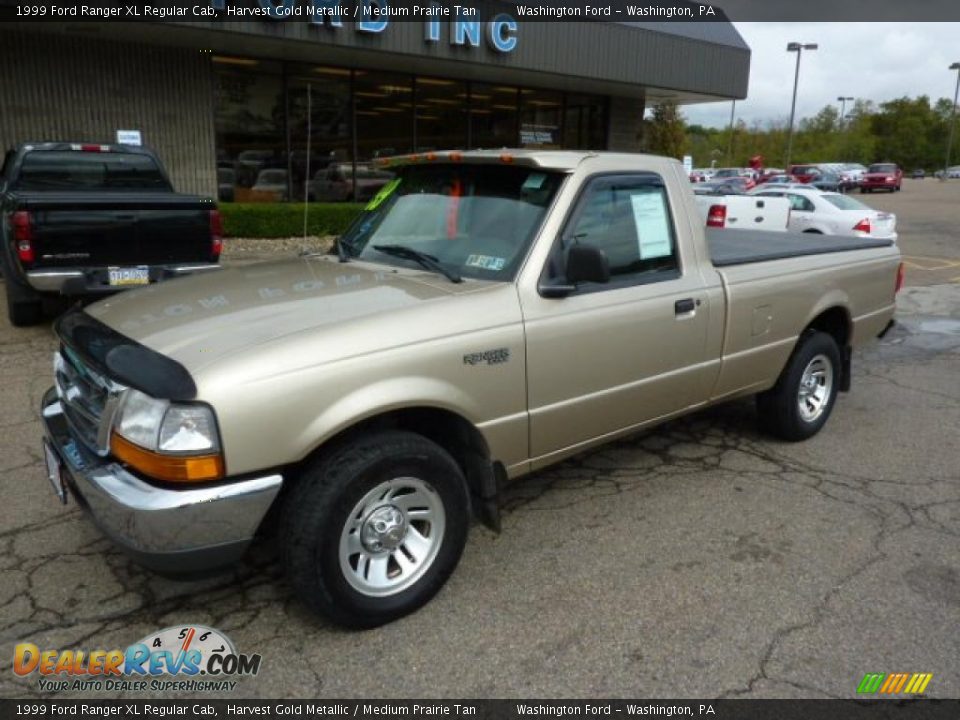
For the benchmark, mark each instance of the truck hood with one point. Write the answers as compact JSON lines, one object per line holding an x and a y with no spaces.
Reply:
{"x":203,"y":319}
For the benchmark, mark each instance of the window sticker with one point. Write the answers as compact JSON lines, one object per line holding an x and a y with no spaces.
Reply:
{"x":486,"y":262}
{"x":384,"y":193}
{"x":653,"y":230}
{"x":534,"y":181}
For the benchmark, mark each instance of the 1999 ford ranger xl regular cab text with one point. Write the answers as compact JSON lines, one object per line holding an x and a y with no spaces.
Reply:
{"x":488,"y":314}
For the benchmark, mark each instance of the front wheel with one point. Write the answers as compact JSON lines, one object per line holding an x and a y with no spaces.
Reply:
{"x":799,"y":404}
{"x":375,"y":528}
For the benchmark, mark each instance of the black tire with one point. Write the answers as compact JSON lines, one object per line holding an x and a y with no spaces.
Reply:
{"x":322,"y":502}
{"x":23,"y":309}
{"x":779,"y":408}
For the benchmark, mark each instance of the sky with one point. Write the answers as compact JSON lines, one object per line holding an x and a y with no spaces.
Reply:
{"x":875,"y":61}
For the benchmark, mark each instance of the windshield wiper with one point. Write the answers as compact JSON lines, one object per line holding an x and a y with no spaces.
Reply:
{"x":427,"y":261}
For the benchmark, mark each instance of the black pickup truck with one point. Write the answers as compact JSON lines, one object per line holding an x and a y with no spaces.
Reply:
{"x":84,"y":219}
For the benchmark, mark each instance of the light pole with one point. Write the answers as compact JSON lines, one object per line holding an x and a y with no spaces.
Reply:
{"x":798,"y":48}
{"x":843,"y":108}
{"x":733,"y":110}
{"x":843,"y":114}
{"x":953,"y":118}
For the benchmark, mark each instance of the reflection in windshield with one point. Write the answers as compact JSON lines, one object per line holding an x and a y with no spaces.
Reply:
{"x":477,"y":220}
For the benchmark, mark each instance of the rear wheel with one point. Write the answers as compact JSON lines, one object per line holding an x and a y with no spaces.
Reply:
{"x":375,"y":528}
{"x":801,"y":402}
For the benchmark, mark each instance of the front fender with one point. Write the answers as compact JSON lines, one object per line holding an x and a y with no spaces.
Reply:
{"x":380,"y":398}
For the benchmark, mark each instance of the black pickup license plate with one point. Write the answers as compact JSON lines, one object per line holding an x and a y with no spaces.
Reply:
{"x":124,"y":276}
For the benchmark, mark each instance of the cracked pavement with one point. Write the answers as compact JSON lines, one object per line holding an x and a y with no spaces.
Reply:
{"x":700,"y":559}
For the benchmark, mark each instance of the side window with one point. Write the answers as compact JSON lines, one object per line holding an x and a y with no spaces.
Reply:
{"x":798,"y":202}
{"x":629,"y":219}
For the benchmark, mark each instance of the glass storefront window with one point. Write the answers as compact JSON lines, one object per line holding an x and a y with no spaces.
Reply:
{"x":384,"y":114}
{"x":249,"y":124}
{"x":318,"y":100}
{"x":585,"y":122}
{"x":441,"y":114}
{"x":296,"y":131}
{"x":541,"y":113}
{"x":493,"y":115}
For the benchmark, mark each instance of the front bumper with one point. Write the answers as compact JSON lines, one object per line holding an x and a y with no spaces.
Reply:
{"x":175,"y":532}
{"x":87,"y":281}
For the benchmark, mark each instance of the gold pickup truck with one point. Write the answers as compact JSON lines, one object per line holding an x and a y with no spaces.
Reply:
{"x":488,"y":314}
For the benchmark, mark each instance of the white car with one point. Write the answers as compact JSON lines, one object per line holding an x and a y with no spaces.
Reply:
{"x":273,"y":181}
{"x":829,"y":213}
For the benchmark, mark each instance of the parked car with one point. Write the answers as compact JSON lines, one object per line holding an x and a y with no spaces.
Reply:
{"x":804,"y":173}
{"x":855,"y":171}
{"x":336,"y":183}
{"x":249,"y":164}
{"x":882,"y":176}
{"x":953,"y":172}
{"x":827,"y":213}
{"x":226,"y":184}
{"x":86,"y":218}
{"x":918,"y":174}
{"x":370,"y":407}
{"x":829,"y":182}
{"x":744,"y":212}
{"x":718,"y":187}
{"x":776,"y":178}
{"x":273,"y":181}
{"x":740,"y":175}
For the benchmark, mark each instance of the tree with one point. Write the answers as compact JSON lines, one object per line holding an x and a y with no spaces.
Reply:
{"x":665,"y":131}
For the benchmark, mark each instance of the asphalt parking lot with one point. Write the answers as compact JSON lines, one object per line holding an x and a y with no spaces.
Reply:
{"x":698,"y":560}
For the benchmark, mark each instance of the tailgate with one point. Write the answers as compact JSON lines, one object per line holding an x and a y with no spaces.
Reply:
{"x":86,"y":229}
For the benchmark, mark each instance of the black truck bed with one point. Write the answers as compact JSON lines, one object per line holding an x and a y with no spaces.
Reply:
{"x":738,"y":247}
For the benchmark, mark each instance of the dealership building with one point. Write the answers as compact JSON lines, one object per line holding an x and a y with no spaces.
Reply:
{"x":261,"y":109}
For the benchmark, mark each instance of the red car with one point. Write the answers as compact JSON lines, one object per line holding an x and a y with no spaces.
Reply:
{"x":805,"y":173}
{"x":882,"y":176}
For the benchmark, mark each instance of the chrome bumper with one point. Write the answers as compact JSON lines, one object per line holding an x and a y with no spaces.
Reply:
{"x":171,"y":531}
{"x":78,"y":282}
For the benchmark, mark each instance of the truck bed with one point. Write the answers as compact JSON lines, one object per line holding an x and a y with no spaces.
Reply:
{"x":739,"y":247}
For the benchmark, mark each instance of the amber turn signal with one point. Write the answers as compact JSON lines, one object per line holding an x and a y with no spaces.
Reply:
{"x":172,"y":468}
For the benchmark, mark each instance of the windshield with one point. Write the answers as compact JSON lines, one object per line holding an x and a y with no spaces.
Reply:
{"x":476,"y":219}
{"x":844,"y":202}
{"x":89,"y":171}
{"x":884,"y":168}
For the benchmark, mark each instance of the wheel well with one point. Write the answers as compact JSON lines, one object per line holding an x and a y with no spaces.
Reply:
{"x":836,"y":323}
{"x":453,"y":433}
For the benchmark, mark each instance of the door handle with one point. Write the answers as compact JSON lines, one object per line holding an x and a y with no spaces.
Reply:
{"x":682,"y":307}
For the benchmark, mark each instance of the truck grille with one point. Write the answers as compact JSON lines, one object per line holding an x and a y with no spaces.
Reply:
{"x":84,"y":396}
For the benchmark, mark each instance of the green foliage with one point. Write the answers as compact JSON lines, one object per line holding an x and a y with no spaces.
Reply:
{"x":665,"y":132}
{"x":910,"y":132}
{"x":276,"y":220}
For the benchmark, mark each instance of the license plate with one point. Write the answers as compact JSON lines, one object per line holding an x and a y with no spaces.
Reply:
{"x":55,"y":472}
{"x":121,"y":277}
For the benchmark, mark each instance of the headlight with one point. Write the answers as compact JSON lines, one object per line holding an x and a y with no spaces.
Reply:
{"x":167,"y":441}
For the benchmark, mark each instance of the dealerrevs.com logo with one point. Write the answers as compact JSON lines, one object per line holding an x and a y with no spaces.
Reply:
{"x":186,"y":658}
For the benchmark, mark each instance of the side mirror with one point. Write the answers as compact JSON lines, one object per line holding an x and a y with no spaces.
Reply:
{"x":585,"y":263}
